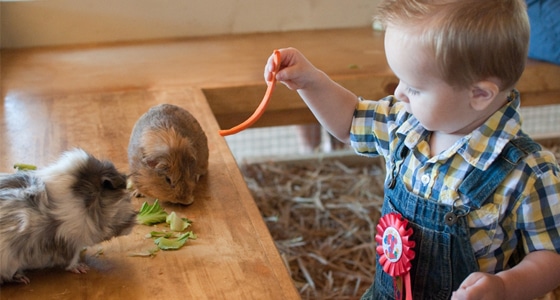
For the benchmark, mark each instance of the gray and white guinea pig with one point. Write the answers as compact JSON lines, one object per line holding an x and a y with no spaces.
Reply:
{"x":167,"y":154}
{"x":48,"y":216}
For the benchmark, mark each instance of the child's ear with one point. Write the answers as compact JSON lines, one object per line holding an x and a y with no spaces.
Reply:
{"x":483,"y":94}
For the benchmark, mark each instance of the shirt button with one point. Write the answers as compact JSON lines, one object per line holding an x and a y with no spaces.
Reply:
{"x":425,"y":178}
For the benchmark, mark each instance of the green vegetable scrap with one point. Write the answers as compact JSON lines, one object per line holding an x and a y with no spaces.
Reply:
{"x":146,"y":253}
{"x":165,"y":240}
{"x":24,"y":167}
{"x":156,"y":234}
{"x":174,"y":244}
{"x":151,"y":214}
{"x":176,"y":223}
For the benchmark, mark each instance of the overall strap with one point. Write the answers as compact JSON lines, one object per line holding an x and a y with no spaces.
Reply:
{"x":479,"y":185}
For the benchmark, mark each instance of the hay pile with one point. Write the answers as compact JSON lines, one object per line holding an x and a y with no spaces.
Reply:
{"x":322,"y":215}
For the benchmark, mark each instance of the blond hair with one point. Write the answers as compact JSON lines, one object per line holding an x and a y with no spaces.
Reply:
{"x":471,"y":40}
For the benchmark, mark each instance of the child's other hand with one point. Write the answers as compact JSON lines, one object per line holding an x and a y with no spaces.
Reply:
{"x":480,"y":286}
{"x":295,"y":71}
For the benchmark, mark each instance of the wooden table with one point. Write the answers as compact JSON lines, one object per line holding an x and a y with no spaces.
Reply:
{"x":234,"y":256}
{"x":90,"y":96}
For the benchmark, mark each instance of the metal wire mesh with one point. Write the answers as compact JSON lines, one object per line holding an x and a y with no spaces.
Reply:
{"x":540,"y":122}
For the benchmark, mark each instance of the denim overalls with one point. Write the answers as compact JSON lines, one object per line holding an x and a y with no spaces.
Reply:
{"x":444,"y":255}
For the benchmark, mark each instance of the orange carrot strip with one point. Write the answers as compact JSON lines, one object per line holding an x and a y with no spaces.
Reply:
{"x":262,"y":106}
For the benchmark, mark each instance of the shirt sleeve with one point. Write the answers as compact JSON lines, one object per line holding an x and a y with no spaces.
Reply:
{"x":538,"y":215}
{"x":375,"y":124}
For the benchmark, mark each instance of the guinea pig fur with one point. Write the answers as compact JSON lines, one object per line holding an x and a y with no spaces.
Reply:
{"x":48,"y":216}
{"x":167,"y":153}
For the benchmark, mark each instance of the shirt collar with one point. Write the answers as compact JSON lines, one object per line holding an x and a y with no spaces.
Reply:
{"x":481,"y":147}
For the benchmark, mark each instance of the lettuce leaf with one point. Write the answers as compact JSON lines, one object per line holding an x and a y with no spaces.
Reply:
{"x":176,"y":223}
{"x":151,"y":214}
{"x":145,"y":253}
{"x":174,"y":244}
{"x":165,"y":240}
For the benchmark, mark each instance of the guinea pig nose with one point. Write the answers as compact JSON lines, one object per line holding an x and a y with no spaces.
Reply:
{"x":189,"y":200}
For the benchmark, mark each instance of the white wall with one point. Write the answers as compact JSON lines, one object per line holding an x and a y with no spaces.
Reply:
{"x":63,"y":22}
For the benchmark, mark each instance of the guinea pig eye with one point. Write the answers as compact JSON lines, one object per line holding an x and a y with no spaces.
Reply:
{"x":168,"y":180}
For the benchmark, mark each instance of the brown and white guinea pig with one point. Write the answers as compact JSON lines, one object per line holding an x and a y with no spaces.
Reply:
{"x":48,"y":216}
{"x":167,"y":154}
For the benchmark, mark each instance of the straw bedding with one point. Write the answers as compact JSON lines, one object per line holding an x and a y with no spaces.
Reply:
{"x":322,"y":215}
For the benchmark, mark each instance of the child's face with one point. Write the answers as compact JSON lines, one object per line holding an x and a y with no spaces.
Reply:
{"x":437,"y":105}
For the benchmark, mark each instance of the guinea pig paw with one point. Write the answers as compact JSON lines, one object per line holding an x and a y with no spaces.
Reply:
{"x":79,"y":268}
{"x":21,"y":278}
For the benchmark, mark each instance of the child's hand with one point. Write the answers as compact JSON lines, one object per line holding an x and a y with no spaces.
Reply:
{"x":480,"y":286}
{"x":295,"y":71}
{"x":331,"y":103}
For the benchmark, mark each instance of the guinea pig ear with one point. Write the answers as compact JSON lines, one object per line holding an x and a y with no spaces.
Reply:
{"x":113,"y":183}
{"x":155,"y":163}
{"x":150,"y":162}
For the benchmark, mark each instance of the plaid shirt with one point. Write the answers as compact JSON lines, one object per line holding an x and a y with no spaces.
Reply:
{"x":525,"y":208}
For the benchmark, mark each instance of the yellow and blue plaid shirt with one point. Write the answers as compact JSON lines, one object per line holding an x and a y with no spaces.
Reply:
{"x":525,"y":209}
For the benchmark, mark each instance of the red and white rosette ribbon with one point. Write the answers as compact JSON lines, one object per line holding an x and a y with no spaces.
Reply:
{"x":395,"y":250}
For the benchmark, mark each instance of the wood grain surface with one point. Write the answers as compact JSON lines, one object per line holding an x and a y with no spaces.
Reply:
{"x":233,"y":257}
